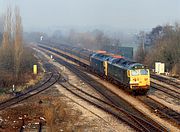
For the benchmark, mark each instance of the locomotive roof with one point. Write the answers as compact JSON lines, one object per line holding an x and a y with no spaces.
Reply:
{"x":125,"y":63}
{"x":102,"y":56}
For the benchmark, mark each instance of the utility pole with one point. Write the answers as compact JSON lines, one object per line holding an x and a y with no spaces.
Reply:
{"x":142,"y":34}
{"x":143,"y":41}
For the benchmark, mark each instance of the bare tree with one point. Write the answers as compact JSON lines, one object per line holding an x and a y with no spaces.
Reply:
{"x":1,"y":24}
{"x":140,"y":54}
{"x":6,"y":50}
{"x":18,"y":42}
{"x":15,"y":59}
{"x":7,"y":35}
{"x":12,"y":43}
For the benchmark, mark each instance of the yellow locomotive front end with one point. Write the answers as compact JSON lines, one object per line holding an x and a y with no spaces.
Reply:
{"x":139,"y":79}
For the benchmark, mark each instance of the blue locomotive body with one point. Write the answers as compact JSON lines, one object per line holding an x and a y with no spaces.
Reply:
{"x":132,"y":75}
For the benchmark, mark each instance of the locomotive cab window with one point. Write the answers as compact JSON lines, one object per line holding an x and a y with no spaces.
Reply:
{"x":144,"y":72}
{"x":134,"y":72}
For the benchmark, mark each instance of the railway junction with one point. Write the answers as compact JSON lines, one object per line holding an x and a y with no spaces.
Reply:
{"x":70,"y":97}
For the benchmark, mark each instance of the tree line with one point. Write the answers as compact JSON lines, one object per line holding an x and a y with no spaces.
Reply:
{"x":95,"y":39}
{"x":161,"y":44}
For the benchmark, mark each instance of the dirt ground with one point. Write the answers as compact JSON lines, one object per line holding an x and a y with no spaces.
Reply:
{"x":57,"y":112}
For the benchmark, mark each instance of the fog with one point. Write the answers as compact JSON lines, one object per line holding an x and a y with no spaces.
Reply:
{"x":110,"y":14}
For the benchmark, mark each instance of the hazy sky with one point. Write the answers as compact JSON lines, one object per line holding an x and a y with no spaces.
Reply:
{"x":135,"y":14}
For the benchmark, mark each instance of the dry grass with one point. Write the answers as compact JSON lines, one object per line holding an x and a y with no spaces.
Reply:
{"x":51,"y":105}
{"x":58,"y":114}
{"x":27,"y":80}
{"x":49,"y":116}
{"x":35,"y":79}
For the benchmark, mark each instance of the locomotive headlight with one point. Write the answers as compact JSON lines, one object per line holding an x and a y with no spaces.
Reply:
{"x":145,"y":79}
{"x":134,"y":79}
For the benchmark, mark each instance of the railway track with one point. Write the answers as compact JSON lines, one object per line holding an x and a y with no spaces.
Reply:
{"x":135,"y":122}
{"x":113,"y":98}
{"x":51,"y":79}
{"x":172,"y":82}
{"x":162,"y":110}
{"x":37,"y":124}
{"x":174,"y":93}
{"x":22,"y":96}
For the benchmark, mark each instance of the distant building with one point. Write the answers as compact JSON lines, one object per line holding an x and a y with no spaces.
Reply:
{"x":123,"y":51}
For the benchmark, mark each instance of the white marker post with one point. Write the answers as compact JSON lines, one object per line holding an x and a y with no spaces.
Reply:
{"x":159,"y":67}
{"x":41,"y":38}
{"x":51,"y":56}
{"x":13,"y":88}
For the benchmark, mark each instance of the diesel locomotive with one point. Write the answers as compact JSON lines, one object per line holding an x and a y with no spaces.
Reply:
{"x":132,"y":75}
